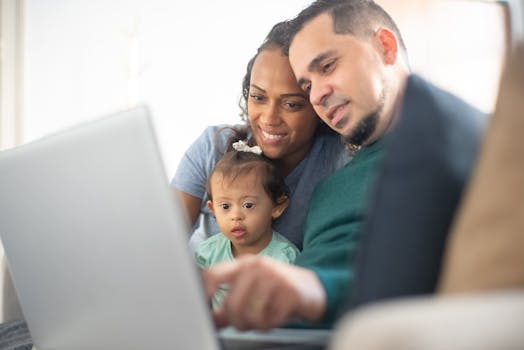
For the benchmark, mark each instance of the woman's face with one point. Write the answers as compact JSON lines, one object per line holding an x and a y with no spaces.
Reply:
{"x":282,"y":119}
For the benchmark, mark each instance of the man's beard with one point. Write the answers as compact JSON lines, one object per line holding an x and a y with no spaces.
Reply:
{"x":365,"y":127}
{"x":362,"y":131}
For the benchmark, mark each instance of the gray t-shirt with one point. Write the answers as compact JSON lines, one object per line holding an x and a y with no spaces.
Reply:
{"x":326,"y":155}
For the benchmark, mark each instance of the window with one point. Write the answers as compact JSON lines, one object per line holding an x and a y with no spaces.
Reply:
{"x":84,"y":58}
{"x":11,"y":71}
{"x":459,"y":45}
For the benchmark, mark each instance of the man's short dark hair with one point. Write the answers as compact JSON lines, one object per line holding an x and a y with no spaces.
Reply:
{"x":355,"y":17}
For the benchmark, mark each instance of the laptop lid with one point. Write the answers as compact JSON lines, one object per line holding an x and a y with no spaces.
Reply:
{"x":96,"y":243}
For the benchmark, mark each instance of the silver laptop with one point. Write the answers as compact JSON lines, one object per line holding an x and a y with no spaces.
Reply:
{"x":97,"y":245}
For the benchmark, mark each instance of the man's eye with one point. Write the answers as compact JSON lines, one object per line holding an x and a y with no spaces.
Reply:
{"x":328,"y":66}
{"x":248,"y":205}
{"x":224,"y":206}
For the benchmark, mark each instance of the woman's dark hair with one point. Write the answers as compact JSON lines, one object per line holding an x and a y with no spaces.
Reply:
{"x":235,"y":163}
{"x":277,"y":37}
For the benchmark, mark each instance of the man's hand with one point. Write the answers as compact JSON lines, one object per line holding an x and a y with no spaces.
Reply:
{"x":264,"y":293}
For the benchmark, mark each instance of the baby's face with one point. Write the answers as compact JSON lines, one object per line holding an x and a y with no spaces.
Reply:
{"x":243,"y":210}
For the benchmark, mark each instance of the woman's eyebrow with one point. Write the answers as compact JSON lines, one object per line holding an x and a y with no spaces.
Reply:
{"x":293,"y":94}
{"x":296,"y":94}
{"x":258,"y":87}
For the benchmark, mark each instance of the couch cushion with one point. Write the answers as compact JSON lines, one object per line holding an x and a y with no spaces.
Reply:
{"x":486,"y":246}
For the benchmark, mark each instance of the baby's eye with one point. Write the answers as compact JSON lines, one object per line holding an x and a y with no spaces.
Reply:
{"x":248,"y":205}
{"x":224,"y":206}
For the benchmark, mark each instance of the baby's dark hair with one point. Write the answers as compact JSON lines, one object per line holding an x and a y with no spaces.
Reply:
{"x":235,"y":163}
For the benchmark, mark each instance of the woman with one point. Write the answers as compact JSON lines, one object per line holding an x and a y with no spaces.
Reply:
{"x":283,"y":123}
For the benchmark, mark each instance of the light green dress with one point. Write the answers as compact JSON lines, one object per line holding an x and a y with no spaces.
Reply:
{"x":217,"y":248}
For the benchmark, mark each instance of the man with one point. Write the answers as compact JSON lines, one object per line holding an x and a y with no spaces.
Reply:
{"x":327,"y":65}
{"x":350,"y":58}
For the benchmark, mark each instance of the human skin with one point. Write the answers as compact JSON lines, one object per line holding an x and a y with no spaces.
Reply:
{"x":244,"y":211}
{"x":282,"y":119}
{"x":264,"y":293}
{"x":324,"y":62}
{"x":347,"y":79}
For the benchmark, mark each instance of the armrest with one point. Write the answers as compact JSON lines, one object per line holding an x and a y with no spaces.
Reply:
{"x":480,"y":322}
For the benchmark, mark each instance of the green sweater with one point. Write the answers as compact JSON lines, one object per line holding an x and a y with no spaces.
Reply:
{"x":332,"y":228}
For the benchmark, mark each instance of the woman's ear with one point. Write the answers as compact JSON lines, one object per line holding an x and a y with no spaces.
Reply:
{"x":388,"y":42}
{"x":279,"y":208}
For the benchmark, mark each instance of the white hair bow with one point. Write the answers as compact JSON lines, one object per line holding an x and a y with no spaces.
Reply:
{"x":242,"y":146}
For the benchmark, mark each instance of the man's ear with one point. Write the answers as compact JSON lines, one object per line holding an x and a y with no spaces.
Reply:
{"x":210,"y":206}
{"x":388,"y":42}
{"x":279,"y":208}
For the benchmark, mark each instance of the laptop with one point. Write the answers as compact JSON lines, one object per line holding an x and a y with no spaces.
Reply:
{"x":96,"y":243}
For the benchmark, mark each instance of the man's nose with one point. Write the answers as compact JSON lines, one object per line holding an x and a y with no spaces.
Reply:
{"x":319,"y":92}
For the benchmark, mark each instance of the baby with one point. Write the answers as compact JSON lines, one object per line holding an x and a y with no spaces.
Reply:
{"x":246,"y":193}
